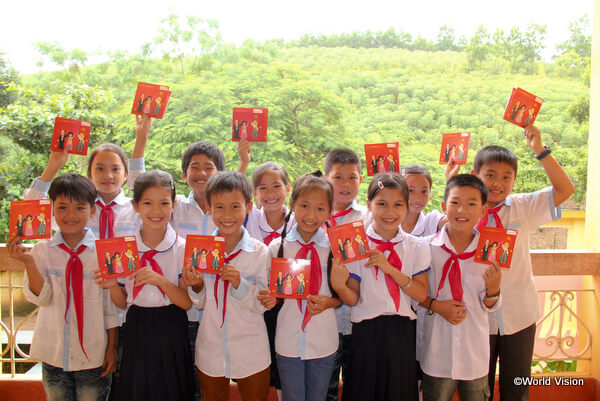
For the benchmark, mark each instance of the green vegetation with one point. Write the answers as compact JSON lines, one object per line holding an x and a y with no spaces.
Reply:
{"x":323,"y":92}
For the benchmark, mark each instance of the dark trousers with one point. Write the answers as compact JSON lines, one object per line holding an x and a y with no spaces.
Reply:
{"x":515,"y":352}
{"x":341,"y":361}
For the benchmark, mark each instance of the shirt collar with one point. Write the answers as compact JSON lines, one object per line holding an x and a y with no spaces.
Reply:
{"x":263,"y":224}
{"x":506,"y":202}
{"x":167,"y":243}
{"x":441,"y":238}
{"x":245,"y":243}
{"x":120,"y":199}
{"x":419,"y":228}
{"x":398,"y":238}
{"x":192,"y":201}
{"x":319,"y":238}
{"x":88,"y":239}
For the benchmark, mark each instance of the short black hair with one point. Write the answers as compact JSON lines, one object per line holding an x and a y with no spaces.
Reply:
{"x":494,"y":154}
{"x":153,"y":178}
{"x":387,"y":180}
{"x":342,"y":156}
{"x":228,"y":181}
{"x":208,"y":149}
{"x":416,"y":169}
{"x":75,"y":187}
{"x":466,"y":180}
{"x":310,"y":182}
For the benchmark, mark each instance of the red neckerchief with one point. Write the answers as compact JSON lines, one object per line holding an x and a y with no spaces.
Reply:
{"x":74,"y":279}
{"x":107,"y":217}
{"x":332,"y":219}
{"x":267,"y":240}
{"x":394,"y":259}
{"x":484,"y":220}
{"x":148,"y":258}
{"x":315,"y":275}
{"x":452,"y":270}
{"x":227,"y":259}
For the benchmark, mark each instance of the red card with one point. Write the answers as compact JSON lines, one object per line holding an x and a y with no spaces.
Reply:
{"x":249,"y":123}
{"x":496,"y":244}
{"x":151,"y":99}
{"x":522,"y":107}
{"x":204,"y":252}
{"x":117,"y":257}
{"x":382,"y":157}
{"x":290,"y":278}
{"x":455,"y":147}
{"x":30,"y":219}
{"x":349,"y":241}
{"x":73,"y":135}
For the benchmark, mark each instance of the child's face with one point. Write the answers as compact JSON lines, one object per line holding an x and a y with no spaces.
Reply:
{"x":155,"y":207}
{"x":418,"y":192}
{"x":388,"y":208}
{"x":199,"y":170}
{"x":71,"y":215}
{"x":463,"y":208}
{"x":311,"y":209}
{"x":271,"y":193}
{"x":346,"y":180}
{"x":108,"y":173}
{"x":499,"y":178}
{"x":229,"y":211}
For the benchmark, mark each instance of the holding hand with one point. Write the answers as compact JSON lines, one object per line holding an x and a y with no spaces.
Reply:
{"x":231,"y":274}
{"x":533,"y":136}
{"x":378,"y":259}
{"x":146,"y":275}
{"x":143,"y":124}
{"x":492,"y":278}
{"x":192,"y":278}
{"x":103,"y":282}
{"x":339,"y":274}
{"x":244,"y":150}
{"x":451,"y":169}
{"x":318,"y":303}
{"x":17,"y":251}
{"x":453,"y":311}
{"x":266,"y":300}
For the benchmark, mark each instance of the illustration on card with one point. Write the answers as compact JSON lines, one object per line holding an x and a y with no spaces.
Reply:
{"x":151,"y":99}
{"x":349,"y":241}
{"x":204,"y":253}
{"x":455,"y":147}
{"x":382,"y":157}
{"x":249,"y":123}
{"x":522,"y":107}
{"x":289,"y":278}
{"x":496,"y":244}
{"x":30,"y":219}
{"x":117,"y":257}
{"x":72,"y":135}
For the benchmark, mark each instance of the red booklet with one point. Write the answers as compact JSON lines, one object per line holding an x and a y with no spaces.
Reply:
{"x":349,"y":241}
{"x":522,"y":107}
{"x":496,"y":244}
{"x":151,"y":99}
{"x":30,"y":219}
{"x":249,"y":123}
{"x":73,"y":135}
{"x":204,"y":252}
{"x":117,"y":257}
{"x":455,"y":147}
{"x":290,"y":278}
{"x":382,"y":157}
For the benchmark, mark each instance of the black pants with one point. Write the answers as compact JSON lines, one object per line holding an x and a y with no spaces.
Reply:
{"x":515,"y":352}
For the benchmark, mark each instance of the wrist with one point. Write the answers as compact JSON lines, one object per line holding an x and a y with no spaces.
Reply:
{"x":492,"y":294}
{"x":542,"y":152}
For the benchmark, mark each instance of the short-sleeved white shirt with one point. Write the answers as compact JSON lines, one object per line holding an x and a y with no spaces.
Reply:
{"x":258,"y":227}
{"x":427,"y":224}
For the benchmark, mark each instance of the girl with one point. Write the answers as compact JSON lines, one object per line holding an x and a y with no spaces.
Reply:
{"x":130,"y":262}
{"x":117,"y":262}
{"x":28,"y":225}
{"x":380,"y":290}
{"x":156,"y":362}
{"x":81,"y":142}
{"x":41,"y":230}
{"x":306,"y":338}
{"x":349,"y":248}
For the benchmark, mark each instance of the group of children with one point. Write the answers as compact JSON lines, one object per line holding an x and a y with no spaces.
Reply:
{"x":419,"y":295}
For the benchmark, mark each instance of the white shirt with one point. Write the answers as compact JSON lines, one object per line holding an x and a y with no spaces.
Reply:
{"x":342,"y":312}
{"x":55,"y":341}
{"x":258,"y":227}
{"x":524,"y":213}
{"x":375,"y":299}
{"x":240,"y":347}
{"x":462,"y":351}
{"x":320,"y":337}
{"x":427,"y":224}
{"x":170,"y":259}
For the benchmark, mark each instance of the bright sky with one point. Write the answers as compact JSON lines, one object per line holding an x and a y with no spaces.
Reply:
{"x":111,"y":24}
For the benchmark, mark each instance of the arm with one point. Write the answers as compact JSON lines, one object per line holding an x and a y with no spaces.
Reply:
{"x":143,"y":124}
{"x":177,"y":294}
{"x":244,"y":151}
{"x":562,"y":187}
{"x":34,"y":278}
{"x":492,"y":277}
{"x":347,"y":288}
{"x":453,"y":311}
{"x":110,"y":356}
{"x":56,"y":161}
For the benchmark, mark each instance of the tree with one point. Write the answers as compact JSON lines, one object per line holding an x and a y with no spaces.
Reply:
{"x":446,"y":39}
{"x":8,"y":76}
{"x":478,"y":48}
{"x":70,"y":60}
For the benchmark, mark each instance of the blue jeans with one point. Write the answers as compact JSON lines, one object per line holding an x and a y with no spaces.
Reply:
{"x":192,"y":333}
{"x":304,"y":380}
{"x":342,"y":362}
{"x":80,"y":385}
{"x":441,"y":389}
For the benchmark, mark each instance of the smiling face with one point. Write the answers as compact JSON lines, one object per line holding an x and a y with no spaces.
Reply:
{"x":229,"y":209}
{"x":346,"y":180}
{"x":499,"y":178}
{"x":107,"y":174}
{"x":311,"y":209}
{"x":71,"y":216}
{"x":418,"y":192}
{"x":463,"y":209}
{"x":271,"y":193}
{"x":155,"y":207}
{"x":198,"y":172}
{"x":388,"y":208}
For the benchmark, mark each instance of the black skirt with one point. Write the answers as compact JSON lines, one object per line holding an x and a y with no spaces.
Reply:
{"x":382,"y":360}
{"x":157,"y":361}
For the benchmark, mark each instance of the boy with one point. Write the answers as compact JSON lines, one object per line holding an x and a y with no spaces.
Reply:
{"x":343,"y":170}
{"x":512,"y":329}
{"x":59,"y":272}
{"x":232,"y":338}
{"x":455,"y":350}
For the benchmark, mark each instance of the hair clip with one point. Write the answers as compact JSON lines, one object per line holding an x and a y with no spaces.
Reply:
{"x":403,"y":173}
{"x":317,"y":173}
{"x":380,"y":185}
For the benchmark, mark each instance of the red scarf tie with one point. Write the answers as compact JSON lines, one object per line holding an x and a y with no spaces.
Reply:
{"x":315,"y":275}
{"x":484,"y":220}
{"x":148,"y":258}
{"x":267,"y":240}
{"x":332,"y":219}
{"x":74,"y":279}
{"x":394,"y":259}
{"x":107,"y":218}
{"x":452,"y":270}
{"x":225,"y":286}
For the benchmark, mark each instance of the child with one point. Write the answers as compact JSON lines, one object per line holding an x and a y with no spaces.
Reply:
{"x":382,"y":357}
{"x":461,"y":294}
{"x":156,"y":362}
{"x":342,"y":168}
{"x":232,"y":338}
{"x":72,"y":364}
{"x":513,"y":329}
{"x":306,"y":338}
